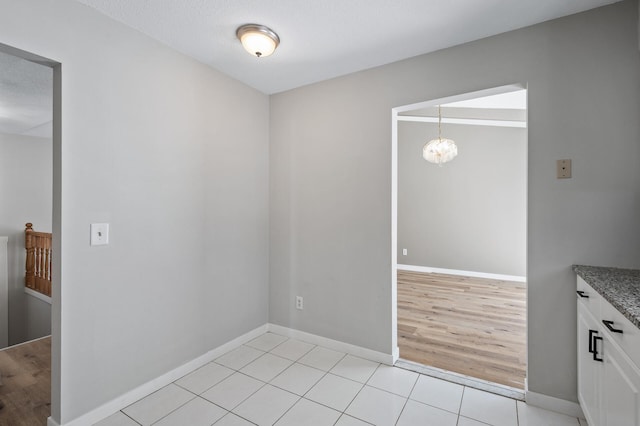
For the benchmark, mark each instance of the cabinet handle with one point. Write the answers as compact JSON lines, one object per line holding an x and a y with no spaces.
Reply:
{"x":595,"y":349}
{"x":591,"y":333}
{"x":581,"y":294}
{"x":609,"y":325}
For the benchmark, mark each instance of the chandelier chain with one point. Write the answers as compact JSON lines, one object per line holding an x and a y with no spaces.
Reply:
{"x":439,"y":123}
{"x":439,"y":151}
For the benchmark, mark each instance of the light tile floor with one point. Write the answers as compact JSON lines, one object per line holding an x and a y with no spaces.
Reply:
{"x":273,"y":380}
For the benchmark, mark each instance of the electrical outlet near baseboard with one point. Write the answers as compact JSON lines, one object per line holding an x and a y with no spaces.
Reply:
{"x":299,"y":303}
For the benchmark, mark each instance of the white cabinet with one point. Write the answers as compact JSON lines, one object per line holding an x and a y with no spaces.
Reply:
{"x":608,"y":373}
{"x":588,"y":369}
{"x":620,"y":384}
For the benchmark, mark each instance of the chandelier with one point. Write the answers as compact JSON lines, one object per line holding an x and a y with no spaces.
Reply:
{"x":441,"y":150}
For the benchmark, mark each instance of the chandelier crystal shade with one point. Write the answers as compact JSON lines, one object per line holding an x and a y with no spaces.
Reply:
{"x":441,"y":150}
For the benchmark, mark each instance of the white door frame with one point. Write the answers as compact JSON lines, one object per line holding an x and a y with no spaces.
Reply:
{"x":56,"y":223}
{"x":4,"y":294}
{"x":395,"y":113}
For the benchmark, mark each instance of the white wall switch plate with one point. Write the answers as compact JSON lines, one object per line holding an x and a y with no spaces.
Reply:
{"x":99,"y":234}
{"x":404,"y":252}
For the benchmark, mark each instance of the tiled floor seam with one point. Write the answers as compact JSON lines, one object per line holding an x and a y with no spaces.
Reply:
{"x":401,"y":411}
{"x":288,"y":409}
{"x":407,"y":398}
{"x":464,"y":388}
{"x":351,"y":402}
{"x":134,"y":420}
{"x":175,"y":409}
{"x":248,"y":396}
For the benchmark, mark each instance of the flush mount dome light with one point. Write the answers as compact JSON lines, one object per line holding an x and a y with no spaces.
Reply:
{"x":257,"y":39}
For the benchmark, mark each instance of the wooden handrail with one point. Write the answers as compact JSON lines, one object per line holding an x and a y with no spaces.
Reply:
{"x":38,"y":264}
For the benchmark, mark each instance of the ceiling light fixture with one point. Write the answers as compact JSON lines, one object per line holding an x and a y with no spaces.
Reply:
{"x":439,"y":151}
{"x":257,"y":39}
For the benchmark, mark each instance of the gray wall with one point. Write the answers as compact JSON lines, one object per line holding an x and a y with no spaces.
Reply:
{"x":4,"y":293}
{"x":174,"y":155}
{"x":469,"y":214}
{"x":37,"y":317}
{"x":25,"y":190}
{"x":331,"y":179}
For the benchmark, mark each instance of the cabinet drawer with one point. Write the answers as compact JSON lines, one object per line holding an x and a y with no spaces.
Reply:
{"x":591,"y":300}
{"x":629,"y":339}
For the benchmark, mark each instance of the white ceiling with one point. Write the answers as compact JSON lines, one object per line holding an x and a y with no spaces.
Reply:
{"x":26,"y":97}
{"x":321,"y":39}
{"x":508,"y":100}
{"x":507,"y":109}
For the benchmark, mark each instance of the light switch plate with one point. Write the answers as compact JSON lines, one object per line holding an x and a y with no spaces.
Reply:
{"x":99,"y":234}
{"x":563,"y":169}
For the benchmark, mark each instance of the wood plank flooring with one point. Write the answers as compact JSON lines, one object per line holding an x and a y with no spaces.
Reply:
{"x":25,"y":389}
{"x":471,"y":326}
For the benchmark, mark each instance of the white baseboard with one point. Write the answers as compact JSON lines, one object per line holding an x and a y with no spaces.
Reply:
{"x":553,"y":404}
{"x":40,"y":296}
{"x":430,"y":270}
{"x":140,"y":392}
{"x":25,"y":343}
{"x":332,"y":344}
{"x":532,"y":398}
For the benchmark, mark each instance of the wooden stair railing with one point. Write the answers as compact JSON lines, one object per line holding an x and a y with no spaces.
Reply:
{"x":38,"y":264}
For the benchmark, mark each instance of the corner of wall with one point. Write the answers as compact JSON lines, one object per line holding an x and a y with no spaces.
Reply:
{"x":550,"y":403}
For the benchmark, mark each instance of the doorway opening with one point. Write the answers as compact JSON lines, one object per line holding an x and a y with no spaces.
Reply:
{"x":30,"y":187}
{"x":459,"y":239}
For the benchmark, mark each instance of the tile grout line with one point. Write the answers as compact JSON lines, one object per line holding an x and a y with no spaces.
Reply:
{"x":409,"y":396}
{"x":177,"y":408}
{"x":134,"y":420}
{"x":277,"y":375}
{"x":325,"y":373}
{"x":288,"y":409}
{"x":356,"y":395}
{"x":460,"y":406}
{"x":200,"y":395}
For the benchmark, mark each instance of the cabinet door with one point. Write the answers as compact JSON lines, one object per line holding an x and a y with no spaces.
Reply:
{"x":588,"y":368}
{"x":620,"y":388}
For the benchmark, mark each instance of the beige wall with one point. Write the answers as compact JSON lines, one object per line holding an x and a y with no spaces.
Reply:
{"x":469,"y":214}
{"x":331,"y":179}
{"x":172,"y":154}
{"x":26,"y":196}
{"x":152,"y":142}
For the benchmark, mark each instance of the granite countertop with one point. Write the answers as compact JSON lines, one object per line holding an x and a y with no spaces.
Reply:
{"x":620,"y":287}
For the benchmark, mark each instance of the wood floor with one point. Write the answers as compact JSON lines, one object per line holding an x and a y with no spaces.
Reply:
{"x":25,"y":389}
{"x":471,"y":326}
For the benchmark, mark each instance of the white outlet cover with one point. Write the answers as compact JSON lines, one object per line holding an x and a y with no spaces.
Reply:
{"x":99,"y":234}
